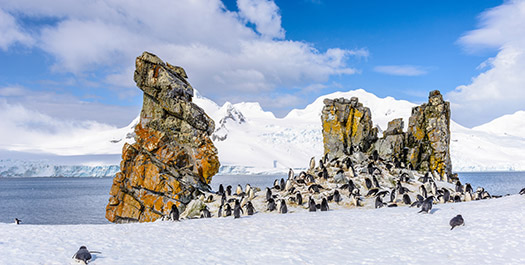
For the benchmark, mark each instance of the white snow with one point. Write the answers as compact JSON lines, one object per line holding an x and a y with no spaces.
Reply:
{"x":493,"y":234}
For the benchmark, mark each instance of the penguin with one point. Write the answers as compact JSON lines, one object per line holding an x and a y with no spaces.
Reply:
{"x":238,"y":191}
{"x":457,"y":198}
{"x":355,"y":200}
{"x":459,"y":187}
{"x":324,"y":205}
{"x":282,"y":207}
{"x":244,"y":200}
{"x":376,"y":183}
{"x":291,"y":174}
{"x":271,"y":205}
{"x":17,"y":221}
{"x":368,"y":183}
{"x":250,"y":210}
{"x":229,"y":190}
{"x":221,"y":190}
{"x":309,"y":179}
{"x":82,"y":255}
{"x":205,"y":213}
{"x":456,"y":221}
{"x":351,"y":186}
{"x":237,"y":210}
{"x":404,"y":177}
{"x":372,"y":192}
{"x":324,"y":174}
{"x":282,"y":185}
{"x":209,"y":199}
{"x":314,"y":188}
{"x":423,"y":191}
{"x":522,"y":191}
{"x":375,"y":155}
{"x":379,"y":203}
{"x":268,"y":194}
{"x":370,"y":168}
{"x":251,"y":194}
{"x":392,"y":205}
{"x":174,"y":213}
{"x":311,"y":205}
{"x":312,"y":163}
{"x":382,"y":193}
{"x":433,"y":188}
{"x":223,"y":198}
{"x":393,"y":195}
{"x":446,"y":194}
{"x":299,"y":198}
{"x":468,"y":187}
{"x":219,"y":212}
{"x":406,"y":199}
{"x":288,"y":185}
{"x":426,"y":206}
{"x":276,"y":185}
{"x":227,"y":210}
{"x":248,"y":188}
{"x":337,"y":196}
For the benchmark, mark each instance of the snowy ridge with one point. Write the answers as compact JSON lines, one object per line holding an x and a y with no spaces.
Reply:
{"x":253,"y":141}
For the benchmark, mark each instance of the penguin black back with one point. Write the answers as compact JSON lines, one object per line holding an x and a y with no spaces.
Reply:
{"x":221,"y":190}
{"x":337,"y":196}
{"x":324,"y":205}
{"x":174,"y":213}
{"x":311,"y":205}
{"x":456,"y":221}
{"x":82,"y":255}
{"x":250,"y":210}
{"x":368,"y":183}
{"x":299,"y":198}
{"x":282,"y":207}
{"x":271,"y":205}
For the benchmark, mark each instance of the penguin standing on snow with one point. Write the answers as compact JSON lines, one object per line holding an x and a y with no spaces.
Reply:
{"x":311,"y":205}
{"x":282,"y":207}
{"x":174,"y":213}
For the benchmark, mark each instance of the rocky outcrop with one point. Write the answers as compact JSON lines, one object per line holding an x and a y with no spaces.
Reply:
{"x":428,"y":136}
{"x":173,"y":156}
{"x":347,"y":126}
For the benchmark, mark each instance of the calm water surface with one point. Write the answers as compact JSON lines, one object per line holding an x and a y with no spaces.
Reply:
{"x":84,"y":200}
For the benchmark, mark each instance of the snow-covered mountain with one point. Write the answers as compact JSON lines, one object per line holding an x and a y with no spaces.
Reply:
{"x":251,"y":140}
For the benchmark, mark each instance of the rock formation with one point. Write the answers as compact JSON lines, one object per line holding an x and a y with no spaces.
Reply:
{"x":428,"y":136}
{"x":173,"y":156}
{"x":347,"y":126}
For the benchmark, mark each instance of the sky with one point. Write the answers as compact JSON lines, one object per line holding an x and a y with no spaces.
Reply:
{"x":72,"y":62}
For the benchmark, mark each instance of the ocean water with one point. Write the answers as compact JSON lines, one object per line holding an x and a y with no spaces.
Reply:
{"x":84,"y":200}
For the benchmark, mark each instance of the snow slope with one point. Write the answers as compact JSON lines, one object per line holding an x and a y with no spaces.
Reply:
{"x":493,"y":234}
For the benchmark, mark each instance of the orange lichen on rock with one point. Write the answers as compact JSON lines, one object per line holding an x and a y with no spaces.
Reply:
{"x":172,"y":155}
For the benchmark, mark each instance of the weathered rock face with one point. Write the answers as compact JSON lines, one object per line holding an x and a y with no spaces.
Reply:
{"x":173,"y":155}
{"x":425,"y":147}
{"x":393,"y":141}
{"x":428,"y":136}
{"x":347,"y":125}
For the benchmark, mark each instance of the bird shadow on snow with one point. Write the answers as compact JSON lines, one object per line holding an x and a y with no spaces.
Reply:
{"x":433,"y":211}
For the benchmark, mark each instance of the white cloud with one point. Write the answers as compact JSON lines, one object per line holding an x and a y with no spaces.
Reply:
{"x":220,"y":52}
{"x":10,"y":32}
{"x":501,"y":88}
{"x":66,"y":107}
{"x":401,"y":70}
{"x":264,"y":14}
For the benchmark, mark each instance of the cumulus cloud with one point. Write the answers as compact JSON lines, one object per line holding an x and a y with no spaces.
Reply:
{"x":264,"y":14}
{"x":11,"y":32}
{"x":224,"y":52}
{"x":400,"y":70}
{"x":500,"y":89}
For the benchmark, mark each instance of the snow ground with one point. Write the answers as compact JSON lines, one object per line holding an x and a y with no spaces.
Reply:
{"x":494,"y":233}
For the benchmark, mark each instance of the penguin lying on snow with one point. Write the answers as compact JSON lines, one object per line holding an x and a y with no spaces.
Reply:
{"x":522,"y":191}
{"x":456,"y":221}
{"x":83,"y":255}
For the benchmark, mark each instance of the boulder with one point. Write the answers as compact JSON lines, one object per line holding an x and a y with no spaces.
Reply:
{"x":173,"y":156}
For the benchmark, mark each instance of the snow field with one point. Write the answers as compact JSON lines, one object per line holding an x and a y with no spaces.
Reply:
{"x":494,"y":233}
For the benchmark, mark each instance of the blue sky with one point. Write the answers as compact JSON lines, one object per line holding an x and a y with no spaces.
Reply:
{"x":73,"y":60}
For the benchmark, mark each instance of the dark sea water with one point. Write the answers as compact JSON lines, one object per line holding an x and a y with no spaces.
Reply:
{"x":84,"y":200}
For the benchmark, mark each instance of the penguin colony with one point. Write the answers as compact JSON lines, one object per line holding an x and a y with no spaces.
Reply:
{"x":351,"y":181}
